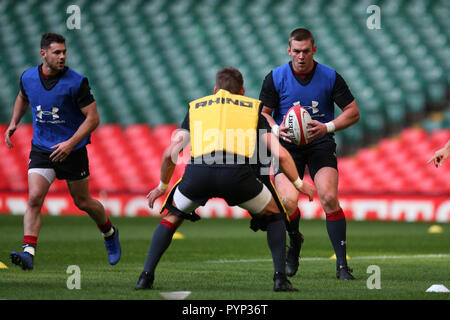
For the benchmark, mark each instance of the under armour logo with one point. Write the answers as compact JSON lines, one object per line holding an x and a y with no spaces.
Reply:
{"x":53,"y":113}
{"x":314,"y":107}
{"x":343,"y":242}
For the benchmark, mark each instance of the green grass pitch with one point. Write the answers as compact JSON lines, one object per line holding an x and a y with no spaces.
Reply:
{"x":223,"y":259}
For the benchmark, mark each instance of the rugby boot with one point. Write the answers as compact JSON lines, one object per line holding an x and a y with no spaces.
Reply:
{"x":22,"y":259}
{"x":145,"y":281}
{"x":293,"y":253}
{"x":343,"y":272}
{"x":281,"y":283}
{"x":113,"y":247}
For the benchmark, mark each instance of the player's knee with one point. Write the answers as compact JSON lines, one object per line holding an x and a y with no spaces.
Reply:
{"x":270,"y":208}
{"x":290,"y":204}
{"x":83,"y":203}
{"x":175,"y":220}
{"x":329,"y":200}
{"x":35,"y":200}
{"x":288,"y":195}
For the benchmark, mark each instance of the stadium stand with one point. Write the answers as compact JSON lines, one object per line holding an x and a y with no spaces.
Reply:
{"x":146,"y":59}
{"x":128,"y":160}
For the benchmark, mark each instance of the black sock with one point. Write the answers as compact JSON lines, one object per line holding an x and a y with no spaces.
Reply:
{"x":162,"y":237}
{"x":336,"y":227}
{"x":293,"y":227}
{"x":276,"y":239}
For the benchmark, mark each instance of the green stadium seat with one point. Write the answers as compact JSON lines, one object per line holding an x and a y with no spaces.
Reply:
{"x":446,"y":119}
{"x":147,"y":59}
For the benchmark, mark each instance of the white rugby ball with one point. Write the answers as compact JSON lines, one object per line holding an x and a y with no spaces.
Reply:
{"x":296,"y":120}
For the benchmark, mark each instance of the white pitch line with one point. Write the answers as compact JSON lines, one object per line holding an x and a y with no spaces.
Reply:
{"x":415,"y":256}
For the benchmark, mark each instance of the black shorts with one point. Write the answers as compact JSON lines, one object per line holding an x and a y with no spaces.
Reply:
{"x":235,"y":184}
{"x":74,"y":167}
{"x":317,"y":155}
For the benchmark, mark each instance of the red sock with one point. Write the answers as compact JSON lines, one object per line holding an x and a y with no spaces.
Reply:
{"x":168,"y":224}
{"x":30,"y":240}
{"x":294,"y":215}
{"x":104,"y":228}
{"x":335,"y":215}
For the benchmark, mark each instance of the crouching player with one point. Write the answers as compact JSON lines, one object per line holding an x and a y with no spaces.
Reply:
{"x":216,"y":170}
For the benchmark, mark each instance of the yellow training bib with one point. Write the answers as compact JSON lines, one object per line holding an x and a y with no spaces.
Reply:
{"x":223,"y":122}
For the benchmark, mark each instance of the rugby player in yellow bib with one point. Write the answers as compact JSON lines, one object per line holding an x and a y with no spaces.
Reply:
{"x":226,"y":131}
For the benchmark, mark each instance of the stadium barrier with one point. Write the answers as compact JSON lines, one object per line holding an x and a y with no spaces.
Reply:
{"x":382,"y":208}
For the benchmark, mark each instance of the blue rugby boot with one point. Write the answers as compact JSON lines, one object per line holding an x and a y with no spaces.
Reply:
{"x":22,"y":259}
{"x":113,"y":247}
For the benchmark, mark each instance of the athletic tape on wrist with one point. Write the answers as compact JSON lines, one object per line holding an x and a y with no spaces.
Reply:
{"x":275,"y":129}
{"x":298,"y":183}
{"x":163,"y":186}
{"x":330,"y":126}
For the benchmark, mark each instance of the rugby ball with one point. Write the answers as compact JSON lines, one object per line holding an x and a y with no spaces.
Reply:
{"x":296,"y":120}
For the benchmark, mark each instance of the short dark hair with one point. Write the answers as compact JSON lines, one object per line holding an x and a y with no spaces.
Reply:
{"x":230,"y":79}
{"x":301,"y":34}
{"x":48,"y":38}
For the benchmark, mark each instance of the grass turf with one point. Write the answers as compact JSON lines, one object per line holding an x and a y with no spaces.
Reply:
{"x":222,"y":259}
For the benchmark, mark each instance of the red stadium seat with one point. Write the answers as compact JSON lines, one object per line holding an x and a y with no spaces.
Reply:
{"x":366,"y":157}
{"x":439,"y":138}
{"x":108,"y":130}
{"x":138,"y":130}
{"x":128,"y":160}
{"x":420,"y":150}
{"x":410,"y":136}
{"x":3,"y":128}
{"x":388,"y":146}
{"x":163,"y":133}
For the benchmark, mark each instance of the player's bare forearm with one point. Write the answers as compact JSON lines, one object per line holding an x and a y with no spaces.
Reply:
{"x":167,"y":166}
{"x":285,"y":160}
{"x":167,"y":169}
{"x":349,"y":116}
{"x":180,"y":139}
{"x":20,"y":107}
{"x":287,"y":165}
{"x":168,"y":163}
{"x":88,"y":126}
{"x":267,"y":113}
{"x":64,"y":148}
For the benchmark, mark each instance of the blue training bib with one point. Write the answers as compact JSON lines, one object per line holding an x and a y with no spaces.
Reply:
{"x":56,"y":116}
{"x":316,"y":96}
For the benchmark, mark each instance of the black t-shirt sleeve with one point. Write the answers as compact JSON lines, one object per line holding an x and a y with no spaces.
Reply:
{"x":185,"y":123}
{"x":341,"y":92}
{"x":85,"y":96}
{"x":269,"y":95}
{"x":22,"y":90}
{"x":263,"y":124}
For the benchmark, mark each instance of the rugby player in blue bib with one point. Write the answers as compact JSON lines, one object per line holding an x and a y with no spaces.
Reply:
{"x":316,"y":87}
{"x":64,"y":115}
